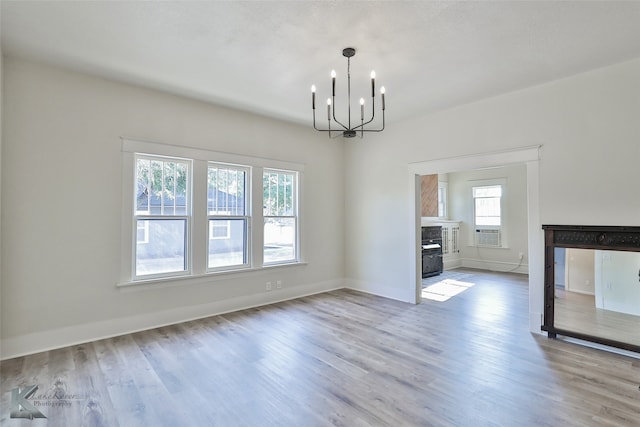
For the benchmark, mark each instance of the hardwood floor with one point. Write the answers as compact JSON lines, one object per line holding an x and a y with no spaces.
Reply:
{"x":341,"y":358}
{"x":578,"y":312}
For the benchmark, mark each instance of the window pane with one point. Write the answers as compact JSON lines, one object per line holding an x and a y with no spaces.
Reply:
{"x":488,"y":211}
{"x":226,"y":192}
{"x":161,"y":187}
{"x":279,"y":193}
{"x":488,"y":191}
{"x":182,"y":171}
{"x":279,"y":239}
{"x":161,"y":247}
{"x":227,"y":242}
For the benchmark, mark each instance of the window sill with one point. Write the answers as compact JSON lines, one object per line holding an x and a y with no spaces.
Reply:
{"x":169,"y":282}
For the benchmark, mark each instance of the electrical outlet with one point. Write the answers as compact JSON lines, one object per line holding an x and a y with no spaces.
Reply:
{"x":268,"y":286}
{"x":520,"y":256}
{"x":279,"y":284}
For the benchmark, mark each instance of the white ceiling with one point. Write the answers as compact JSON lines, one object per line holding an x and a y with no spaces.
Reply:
{"x":263,"y":56}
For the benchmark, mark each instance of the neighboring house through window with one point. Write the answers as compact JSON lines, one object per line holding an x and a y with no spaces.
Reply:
{"x":188,"y":212}
{"x":280,"y":211}
{"x":227,"y":216}
{"x":162,"y":216}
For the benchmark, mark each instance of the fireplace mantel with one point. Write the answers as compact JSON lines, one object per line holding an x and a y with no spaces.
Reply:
{"x":616,"y":238}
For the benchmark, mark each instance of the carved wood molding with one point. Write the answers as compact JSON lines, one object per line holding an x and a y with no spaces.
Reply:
{"x":596,"y":237}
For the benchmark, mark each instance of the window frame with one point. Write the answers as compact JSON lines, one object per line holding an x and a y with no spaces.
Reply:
{"x":148,"y":217}
{"x":475,"y":206}
{"x":497,"y":182}
{"x":294,"y":216}
{"x":229,"y":217}
{"x":198,"y":239}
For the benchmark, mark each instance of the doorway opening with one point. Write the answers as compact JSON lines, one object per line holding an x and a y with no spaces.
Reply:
{"x":528,"y":156}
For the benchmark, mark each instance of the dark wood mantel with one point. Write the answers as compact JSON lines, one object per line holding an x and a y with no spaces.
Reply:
{"x":618,"y":238}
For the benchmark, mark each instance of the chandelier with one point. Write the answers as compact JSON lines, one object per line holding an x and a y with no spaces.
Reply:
{"x":348,"y":130}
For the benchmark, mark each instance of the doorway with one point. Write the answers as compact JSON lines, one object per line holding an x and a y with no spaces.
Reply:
{"x":528,"y":156}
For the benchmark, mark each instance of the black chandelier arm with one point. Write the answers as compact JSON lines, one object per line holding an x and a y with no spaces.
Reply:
{"x":334,"y":114}
{"x":373,"y":130}
{"x":360,"y":127}
{"x":373,"y":115}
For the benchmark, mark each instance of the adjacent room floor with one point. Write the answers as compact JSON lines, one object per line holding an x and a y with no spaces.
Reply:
{"x":340,"y":358}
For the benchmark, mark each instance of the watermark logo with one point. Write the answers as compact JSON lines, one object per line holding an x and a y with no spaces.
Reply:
{"x":20,"y":405}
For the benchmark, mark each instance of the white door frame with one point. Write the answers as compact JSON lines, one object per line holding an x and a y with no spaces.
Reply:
{"x":529,"y":156}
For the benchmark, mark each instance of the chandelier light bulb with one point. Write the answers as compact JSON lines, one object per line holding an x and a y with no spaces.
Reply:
{"x":373,"y":74}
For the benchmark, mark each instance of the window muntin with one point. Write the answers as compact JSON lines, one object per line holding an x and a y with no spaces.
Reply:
{"x":161,"y":216}
{"x":487,"y":205}
{"x":280,"y":212}
{"x":227,"y":216}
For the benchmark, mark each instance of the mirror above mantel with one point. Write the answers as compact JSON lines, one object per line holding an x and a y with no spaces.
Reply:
{"x":592,"y":284}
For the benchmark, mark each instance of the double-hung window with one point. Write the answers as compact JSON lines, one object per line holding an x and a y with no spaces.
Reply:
{"x":227,"y":216}
{"x":280,"y":212}
{"x":191,"y":214}
{"x":487,"y":202}
{"x":162,"y":216}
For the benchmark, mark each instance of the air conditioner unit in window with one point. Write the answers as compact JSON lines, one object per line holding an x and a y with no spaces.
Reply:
{"x":490,"y":238}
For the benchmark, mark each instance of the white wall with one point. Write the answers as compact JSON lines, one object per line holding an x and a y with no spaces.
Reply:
{"x":514,"y":214}
{"x":1,"y":133}
{"x":61,"y":206}
{"x":579,"y":267}
{"x":616,"y":276}
{"x":589,"y":129}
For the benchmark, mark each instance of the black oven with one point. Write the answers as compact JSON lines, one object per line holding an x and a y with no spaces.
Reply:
{"x":431,"y":251}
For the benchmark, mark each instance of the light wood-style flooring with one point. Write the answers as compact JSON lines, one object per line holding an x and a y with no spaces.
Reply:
{"x":577,"y":312}
{"x":341,"y":358}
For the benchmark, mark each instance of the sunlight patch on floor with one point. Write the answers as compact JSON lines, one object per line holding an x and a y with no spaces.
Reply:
{"x":445,"y":289}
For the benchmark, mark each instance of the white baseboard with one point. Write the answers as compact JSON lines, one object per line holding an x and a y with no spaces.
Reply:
{"x":400,"y":294}
{"x":480,"y":264}
{"x":78,"y":334}
{"x":449,"y":264}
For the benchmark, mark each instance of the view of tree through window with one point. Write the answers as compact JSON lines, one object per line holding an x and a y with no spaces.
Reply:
{"x":162,"y":208}
{"x":227,"y":215}
{"x":280,"y":215}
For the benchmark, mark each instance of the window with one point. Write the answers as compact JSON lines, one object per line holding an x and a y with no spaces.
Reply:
{"x":487,"y":205}
{"x":280,"y":211}
{"x":162,"y":216}
{"x":227,"y":216}
{"x":189,"y":214}
{"x":487,"y":202}
{"x":442,"y":199}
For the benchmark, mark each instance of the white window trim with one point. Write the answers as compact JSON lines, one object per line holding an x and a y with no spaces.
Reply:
{"x":295,"y":217}
{"x":247,"y":217}
{"x":201,"y":158}
{"x":148,"y":216}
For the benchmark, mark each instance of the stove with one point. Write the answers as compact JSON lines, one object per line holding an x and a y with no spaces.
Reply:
{"x":431,"y":251}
